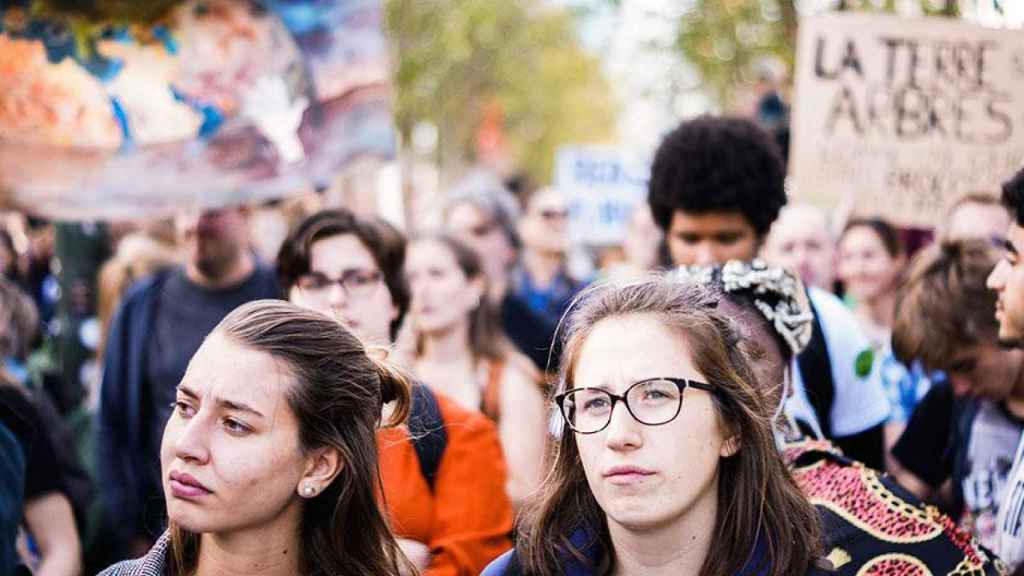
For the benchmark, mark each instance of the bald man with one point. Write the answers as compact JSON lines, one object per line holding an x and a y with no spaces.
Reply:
{"x":800,"y":241}
{"x":977,"y":215}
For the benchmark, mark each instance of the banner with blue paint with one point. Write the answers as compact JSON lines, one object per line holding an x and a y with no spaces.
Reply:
{"x":112,"y":109}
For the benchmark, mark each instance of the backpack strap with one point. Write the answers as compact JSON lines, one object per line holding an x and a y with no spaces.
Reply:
{"x":427,"y":431}
{"x":816,"y":370}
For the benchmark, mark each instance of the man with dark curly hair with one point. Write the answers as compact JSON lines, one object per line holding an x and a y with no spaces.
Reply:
{"x":716,"y":187}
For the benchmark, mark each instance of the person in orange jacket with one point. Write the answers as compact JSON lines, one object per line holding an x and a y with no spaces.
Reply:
{"x":444,"y":474}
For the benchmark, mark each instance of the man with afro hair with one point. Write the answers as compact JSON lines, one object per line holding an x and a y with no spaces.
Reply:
{"x":716,"y":187}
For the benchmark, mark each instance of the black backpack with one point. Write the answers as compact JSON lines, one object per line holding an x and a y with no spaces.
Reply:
{"x":427,"y":431}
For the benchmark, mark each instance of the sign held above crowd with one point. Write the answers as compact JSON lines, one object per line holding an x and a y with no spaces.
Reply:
{"x":901,"y":116}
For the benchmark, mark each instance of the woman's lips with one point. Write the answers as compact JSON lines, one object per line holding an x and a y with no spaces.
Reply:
{"x":627,"y":475}
{"x":186,"y":487}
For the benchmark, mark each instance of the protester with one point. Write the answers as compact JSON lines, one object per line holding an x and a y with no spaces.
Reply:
{"x":684,"y":477}
{"x":641,"y":246}
{"x":156,"y":329}
{"x":481,"y":212}
{"x":872,"y":260}
{"x":269,"y":460}
{"x":800,"y":241}
{"x":462,"y":352}
{"x":15,"y":437}
{"x":967,"y":429}
{"x":716,"y":187}
{"x":444,"y":476}
{"x":976,"y":215}
{"x":137,"y":256}
{"x":869,"y":521}
{"x":1007,"y":280}
{"x":542,"y":279}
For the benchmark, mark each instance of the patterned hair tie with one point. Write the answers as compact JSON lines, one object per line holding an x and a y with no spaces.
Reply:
{"x":776,"y":293}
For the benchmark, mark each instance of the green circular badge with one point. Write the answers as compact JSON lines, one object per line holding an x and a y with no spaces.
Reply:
{"x":862,"y":365}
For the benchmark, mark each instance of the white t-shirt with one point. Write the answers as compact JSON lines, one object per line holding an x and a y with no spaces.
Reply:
{"x":1009,"y":544}
{"x":859,"y":403}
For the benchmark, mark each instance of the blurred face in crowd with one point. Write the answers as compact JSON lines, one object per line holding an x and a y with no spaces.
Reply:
{"x":545,"y":225}
{"x":865,"y":265}
{"x":710,"y":238}
{"x":214,"y":240}
{"x":442,"y":295}
{"x":761,"y":347}
{"x":642,"y":238}
{"x":345,"y":282}
{"x":230,"y":456}
{"x":977,"y":220}
{"x":800,"y":242}
{"x":481,"y":232}
{"x":1007,"y":279}
{"x":985,"y":370}
{"x":643,"y":476}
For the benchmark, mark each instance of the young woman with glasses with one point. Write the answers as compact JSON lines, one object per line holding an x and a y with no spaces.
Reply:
{"x":666,"y":463}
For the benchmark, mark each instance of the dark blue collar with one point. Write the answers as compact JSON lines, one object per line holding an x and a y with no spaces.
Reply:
{"x":589,"y":544}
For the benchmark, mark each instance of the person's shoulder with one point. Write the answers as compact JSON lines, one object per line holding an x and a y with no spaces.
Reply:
{"x":503,"y":565}
{"x":831,"y":312}
{"x":148,"y":285}
{"x":154,"y":563}
{"x":265,"y":277}
{"x":458,"y":418}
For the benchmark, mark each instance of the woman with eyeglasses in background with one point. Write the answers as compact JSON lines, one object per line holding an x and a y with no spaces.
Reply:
{"x":462,"y":352}
{"x":444,"y":474}
{"x":666,"y":463}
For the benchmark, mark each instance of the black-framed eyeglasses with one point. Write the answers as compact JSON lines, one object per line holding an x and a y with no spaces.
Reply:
{"x":653,"y":402}
{"x":356,"y":283}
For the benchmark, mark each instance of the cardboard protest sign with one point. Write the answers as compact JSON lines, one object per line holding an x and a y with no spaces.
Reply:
{"x":130,"y":110}
{"x":902,"y":116}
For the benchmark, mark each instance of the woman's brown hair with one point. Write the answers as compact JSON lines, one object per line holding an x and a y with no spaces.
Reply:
{"x":337,"y":394}
{"x":757,"y":497}
{"x":945,"y":305}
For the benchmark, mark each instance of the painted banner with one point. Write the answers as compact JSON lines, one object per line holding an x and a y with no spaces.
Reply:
{"x":114,"y":110}
{"x":901,"y":116}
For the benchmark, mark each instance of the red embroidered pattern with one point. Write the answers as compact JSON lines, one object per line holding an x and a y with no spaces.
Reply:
{"x":894,"y":565}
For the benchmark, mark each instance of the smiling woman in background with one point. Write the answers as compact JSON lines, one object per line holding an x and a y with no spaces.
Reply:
{"x":270,"y":459}
{"x":667,"y":463}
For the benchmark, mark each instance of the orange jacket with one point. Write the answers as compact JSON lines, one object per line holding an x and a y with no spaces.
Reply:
{"x":467,"y":519}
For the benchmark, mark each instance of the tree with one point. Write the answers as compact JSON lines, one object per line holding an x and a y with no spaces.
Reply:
{"x":454,"y":59}
{"x":724,"y":39}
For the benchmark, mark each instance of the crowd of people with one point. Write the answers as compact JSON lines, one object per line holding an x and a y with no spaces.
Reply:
{"x":752,"y":388}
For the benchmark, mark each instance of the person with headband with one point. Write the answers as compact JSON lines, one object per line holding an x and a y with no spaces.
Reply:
{"x":269,"y":460}
{"x":871,"y":524}
{"x":666,"y":462}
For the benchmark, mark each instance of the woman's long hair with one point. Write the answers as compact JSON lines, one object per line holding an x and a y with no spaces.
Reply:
{"x":337,"y":394}
{"x":757,"y":497}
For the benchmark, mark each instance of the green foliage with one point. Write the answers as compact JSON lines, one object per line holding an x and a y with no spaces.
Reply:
{"x":723,"y":39}
{"x":453,"y":58}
